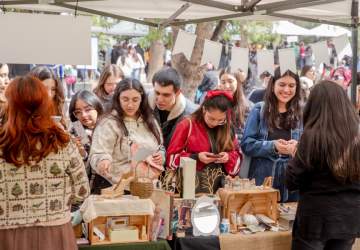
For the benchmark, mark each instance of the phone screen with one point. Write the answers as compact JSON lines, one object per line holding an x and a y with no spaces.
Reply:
{"x":215,"y":156}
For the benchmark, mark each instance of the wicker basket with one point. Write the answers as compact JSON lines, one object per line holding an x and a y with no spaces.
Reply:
{"x":142,"y":187}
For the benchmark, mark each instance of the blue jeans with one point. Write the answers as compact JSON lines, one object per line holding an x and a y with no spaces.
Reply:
{"x":261,"y":168}
{"x":135,"y":74}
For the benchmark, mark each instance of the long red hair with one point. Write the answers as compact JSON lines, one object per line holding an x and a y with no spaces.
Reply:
{"x":29,"y":133}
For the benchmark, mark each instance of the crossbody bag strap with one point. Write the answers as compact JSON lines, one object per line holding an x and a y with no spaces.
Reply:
{"x":189,"y":133}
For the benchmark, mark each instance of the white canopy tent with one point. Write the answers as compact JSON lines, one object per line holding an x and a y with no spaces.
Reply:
{"x":325,"y":30}
{"x":327,"y":11}
{"x":290,"y":29}
{"x":178,"y":12}
{"x":123,"y":28}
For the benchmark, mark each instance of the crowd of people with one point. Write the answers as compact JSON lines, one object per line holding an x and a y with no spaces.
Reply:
{"x":130,"y":58}
{"x":302,"y":132}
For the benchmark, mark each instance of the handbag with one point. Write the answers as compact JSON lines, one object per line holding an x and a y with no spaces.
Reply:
{"x":212,"y":177}
{"x":70,"y":80}
{"x":171,"y":180}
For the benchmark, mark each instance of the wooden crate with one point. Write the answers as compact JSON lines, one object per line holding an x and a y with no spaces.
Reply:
{"x":134,"y":220}
{"x":264,"y":201}
{"x":78,"y":231}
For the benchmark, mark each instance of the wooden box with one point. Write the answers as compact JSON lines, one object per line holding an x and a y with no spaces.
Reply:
{"x":78,"y":231}
{"x":121,"y":212}
{"x":263,"y":201}
{"x":133,"y":220}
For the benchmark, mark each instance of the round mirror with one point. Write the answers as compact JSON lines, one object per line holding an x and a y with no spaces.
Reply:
{"x":205,"y":217}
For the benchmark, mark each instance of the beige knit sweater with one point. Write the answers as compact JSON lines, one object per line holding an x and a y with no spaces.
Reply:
{"x":109,"y":143}
{"x":41,"y":194}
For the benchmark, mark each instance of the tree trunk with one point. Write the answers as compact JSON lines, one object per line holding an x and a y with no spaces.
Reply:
{"x":191,"y":71}
{"x":244,"y":35}
{"x":219,"y":30}
{"x":157,"y":51}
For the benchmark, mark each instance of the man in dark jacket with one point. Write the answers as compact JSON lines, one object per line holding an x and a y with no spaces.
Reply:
{"x":167,"y":101}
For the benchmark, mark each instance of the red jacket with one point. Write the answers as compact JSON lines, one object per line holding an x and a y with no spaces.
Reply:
{"x":197,"y":142}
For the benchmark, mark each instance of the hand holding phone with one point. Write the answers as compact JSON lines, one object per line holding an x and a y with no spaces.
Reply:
{"x":206,"y":157}
{"x":223,"y":158}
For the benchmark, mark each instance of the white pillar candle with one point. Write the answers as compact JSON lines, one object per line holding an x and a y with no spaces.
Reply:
{"x":188,"y":166}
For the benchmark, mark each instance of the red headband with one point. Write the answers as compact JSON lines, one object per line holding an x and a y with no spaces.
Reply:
{"x":213,"y":93}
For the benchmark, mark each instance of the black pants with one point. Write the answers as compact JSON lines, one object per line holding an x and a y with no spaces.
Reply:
{"x":98,"y":184}
{"x":335,"y":244}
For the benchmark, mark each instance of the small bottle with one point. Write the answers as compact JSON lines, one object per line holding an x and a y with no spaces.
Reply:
{"x":225,"y":226}
{"x":228,"y":183}
{"x":246,"y":183}
{"x":236,"y":184}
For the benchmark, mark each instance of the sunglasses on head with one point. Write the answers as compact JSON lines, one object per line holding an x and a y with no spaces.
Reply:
{"x":338,"y":77}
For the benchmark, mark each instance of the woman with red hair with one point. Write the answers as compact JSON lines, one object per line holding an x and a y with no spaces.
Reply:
{"x":41,"y":172}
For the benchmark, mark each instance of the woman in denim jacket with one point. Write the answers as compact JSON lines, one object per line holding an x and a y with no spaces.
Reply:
{"x":272,"y":131}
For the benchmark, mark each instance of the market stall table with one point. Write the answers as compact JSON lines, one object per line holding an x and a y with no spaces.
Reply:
{"x":261,"y":241}
{"x":258,"y":241}
{"x":156,"y":245}
{"x":198,"y":243}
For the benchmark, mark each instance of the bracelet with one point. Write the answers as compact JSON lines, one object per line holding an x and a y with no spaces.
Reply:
{"x":275,"y":150}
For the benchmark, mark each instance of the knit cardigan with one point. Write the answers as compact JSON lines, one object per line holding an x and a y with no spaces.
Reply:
{"x":41,"y":193}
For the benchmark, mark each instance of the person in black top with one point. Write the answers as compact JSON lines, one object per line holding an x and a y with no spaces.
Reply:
{"x":326,"y":171}
{"x":258,"y":94}
{"x":167,"y":101}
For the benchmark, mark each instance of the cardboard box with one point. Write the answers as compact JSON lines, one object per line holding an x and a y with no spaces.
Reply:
{"x":125,"y":234}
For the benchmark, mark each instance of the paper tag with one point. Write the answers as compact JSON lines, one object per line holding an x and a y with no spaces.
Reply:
{"x":141,"y":154}
{"x":98,"y":233}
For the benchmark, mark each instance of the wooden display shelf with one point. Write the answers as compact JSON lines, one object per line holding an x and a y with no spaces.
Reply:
{"x":263,"y":201}
{"x":134,"y":220}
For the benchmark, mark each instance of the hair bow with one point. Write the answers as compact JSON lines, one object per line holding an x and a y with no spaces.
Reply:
{"x":213,"y":93}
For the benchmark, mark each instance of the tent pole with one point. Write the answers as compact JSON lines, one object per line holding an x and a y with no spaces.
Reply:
{"x":308,"y":19}
{"x":263,"y":9}
{"x":354,"y":29}
{"x":106,"y":14}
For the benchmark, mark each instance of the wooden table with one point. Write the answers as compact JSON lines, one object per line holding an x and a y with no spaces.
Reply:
{"x":157,"y":245}
{"x":261,"y":241}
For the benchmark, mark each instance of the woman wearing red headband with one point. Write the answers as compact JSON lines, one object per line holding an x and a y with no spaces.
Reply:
{"x":208,"y":138}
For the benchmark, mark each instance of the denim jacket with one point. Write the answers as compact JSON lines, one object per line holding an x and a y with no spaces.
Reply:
{"x":264,"y":160}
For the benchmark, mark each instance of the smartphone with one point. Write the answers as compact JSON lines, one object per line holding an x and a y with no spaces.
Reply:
{"x":56,"y":118}
{"x":80,"y":132}
{"x":215,"y":156}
